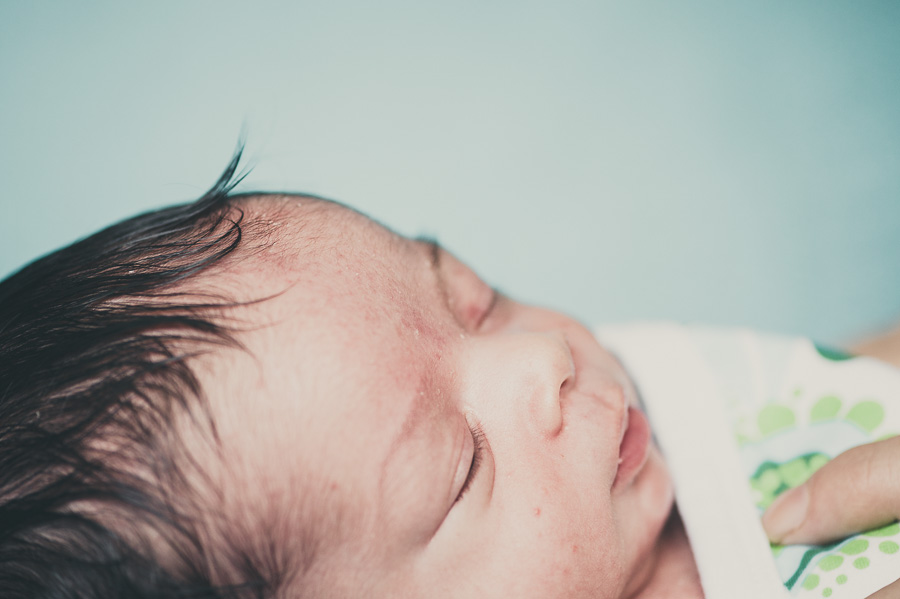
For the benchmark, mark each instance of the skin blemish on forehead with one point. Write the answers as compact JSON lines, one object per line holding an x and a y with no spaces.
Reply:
{"x":537,"y":512}
{"x":416,"y":323}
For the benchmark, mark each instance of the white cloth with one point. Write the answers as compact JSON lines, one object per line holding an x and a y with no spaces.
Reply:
{"x":742,"y":416}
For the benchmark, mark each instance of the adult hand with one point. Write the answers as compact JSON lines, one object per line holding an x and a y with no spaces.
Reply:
{"x":857,"y":490}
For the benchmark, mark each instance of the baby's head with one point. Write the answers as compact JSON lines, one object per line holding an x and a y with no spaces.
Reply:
{"x":276,"y":396}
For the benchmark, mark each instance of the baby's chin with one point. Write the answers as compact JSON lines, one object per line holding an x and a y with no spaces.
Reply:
{"x":649,"y":503}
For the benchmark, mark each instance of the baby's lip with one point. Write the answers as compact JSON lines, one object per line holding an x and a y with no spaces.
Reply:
{"x":633,"y":448}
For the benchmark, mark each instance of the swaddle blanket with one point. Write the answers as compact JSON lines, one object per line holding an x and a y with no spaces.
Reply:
{"x":741,"y":417}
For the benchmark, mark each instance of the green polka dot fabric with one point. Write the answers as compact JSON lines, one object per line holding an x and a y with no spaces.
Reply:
{"x":817,"y":402}
{"x":790,"y":406}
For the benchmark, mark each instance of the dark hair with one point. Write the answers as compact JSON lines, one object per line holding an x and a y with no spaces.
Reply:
{"x":95,"y":341}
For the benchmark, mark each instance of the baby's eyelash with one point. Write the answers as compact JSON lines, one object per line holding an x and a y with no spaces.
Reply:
{"x":477,"y":457}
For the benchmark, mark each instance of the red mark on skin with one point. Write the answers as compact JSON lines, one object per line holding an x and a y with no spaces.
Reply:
{"x":574,"y":548}
{"x":414,"y":323}
{"x":537,"y":512}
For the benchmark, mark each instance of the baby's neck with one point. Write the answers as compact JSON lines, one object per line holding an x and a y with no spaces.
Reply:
{"x":675,"y":575}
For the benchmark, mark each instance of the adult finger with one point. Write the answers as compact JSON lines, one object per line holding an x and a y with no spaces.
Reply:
{"x":891,"y":591}
{"x":857,"y":490}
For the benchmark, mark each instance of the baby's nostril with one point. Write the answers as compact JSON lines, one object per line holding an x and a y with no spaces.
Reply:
{"x":566,"y":384}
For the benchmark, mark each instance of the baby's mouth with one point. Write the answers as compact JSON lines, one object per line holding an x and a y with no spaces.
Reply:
{"x":634,"y":447}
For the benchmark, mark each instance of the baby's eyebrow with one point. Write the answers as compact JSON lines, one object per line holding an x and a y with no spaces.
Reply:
{"x":434,"y":247}
{"x":435,"y":250}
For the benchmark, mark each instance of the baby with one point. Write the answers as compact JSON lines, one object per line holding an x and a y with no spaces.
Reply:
{"x":275,"y":396}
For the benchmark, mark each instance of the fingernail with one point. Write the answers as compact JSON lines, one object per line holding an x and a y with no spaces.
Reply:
{"x":786,"y":513}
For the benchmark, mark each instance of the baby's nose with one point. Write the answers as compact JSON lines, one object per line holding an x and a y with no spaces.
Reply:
{"x":557,"y":374}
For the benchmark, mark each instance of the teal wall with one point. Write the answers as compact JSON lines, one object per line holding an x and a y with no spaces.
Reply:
{"x":634,"y":160}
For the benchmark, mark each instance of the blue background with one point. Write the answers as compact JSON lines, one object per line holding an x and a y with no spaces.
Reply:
{"x":726,"y":164}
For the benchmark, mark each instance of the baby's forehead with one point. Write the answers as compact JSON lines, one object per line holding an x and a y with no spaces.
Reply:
{"x":293,"y":213}
{"x":301,"y":223}
{"x":328,"y":252}
{"x":282,"y":228}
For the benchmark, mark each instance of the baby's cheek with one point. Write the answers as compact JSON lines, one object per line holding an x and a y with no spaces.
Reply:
{"x":567,"y":557}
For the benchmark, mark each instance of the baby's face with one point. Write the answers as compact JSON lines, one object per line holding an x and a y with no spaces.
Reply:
{"x":444,"y":440}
